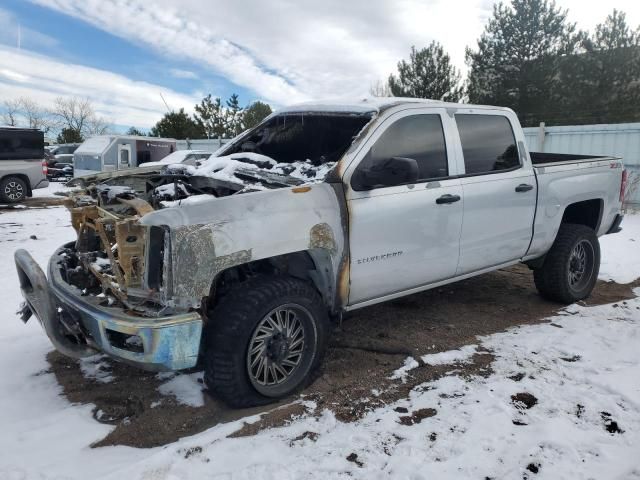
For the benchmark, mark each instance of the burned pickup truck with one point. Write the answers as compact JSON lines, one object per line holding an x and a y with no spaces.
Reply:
{"x":243,"y":262}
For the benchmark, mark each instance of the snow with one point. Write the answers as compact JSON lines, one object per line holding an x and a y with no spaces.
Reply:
{"x":583,"y":369}
{"x":621,"y":252}
{"x":187,"y":389}
{"x":349,"y":105}
{"x":174,"y":158}
{"x":462,"y":355}
{"x":52,"y":190}
{"x":95,"y":145}
{"x":96,"y":368}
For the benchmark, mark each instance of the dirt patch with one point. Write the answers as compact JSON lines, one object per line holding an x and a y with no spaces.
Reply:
{"x":610,"y":425}
{"x":33,"y":202}
{"x":353,"y":458}
{"x":369,"y":345}
{"x":523,"y":400}
{"x":417,"y":416}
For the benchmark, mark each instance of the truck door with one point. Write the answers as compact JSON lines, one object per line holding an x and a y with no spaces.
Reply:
{"x":406,"y":235}
{"x":499,"y":191}
{"x":124,"y":156}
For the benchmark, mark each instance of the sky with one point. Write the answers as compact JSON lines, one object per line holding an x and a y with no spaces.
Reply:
{"x":135,"y":58}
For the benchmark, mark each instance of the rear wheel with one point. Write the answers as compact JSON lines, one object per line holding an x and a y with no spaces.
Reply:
{"x":570,"y":269}
{"x":265,"y":340}
{"x":12,"y":190}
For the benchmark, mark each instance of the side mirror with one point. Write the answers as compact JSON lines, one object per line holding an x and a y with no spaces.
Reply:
{"x":386,"y":173}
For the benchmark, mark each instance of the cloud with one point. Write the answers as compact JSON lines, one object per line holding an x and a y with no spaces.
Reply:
{"x":10,"y":30}
{"x":186,"y":74}
{"x":285,"y":50}
{"x":120,"y":99}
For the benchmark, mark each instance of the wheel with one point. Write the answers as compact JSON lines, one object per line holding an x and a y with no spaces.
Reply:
{"x":570,"y":269}
{"x":265,"y":340}
{"x":12,"y":190}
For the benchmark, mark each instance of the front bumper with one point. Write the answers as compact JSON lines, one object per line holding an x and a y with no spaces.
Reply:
{"x":159,"y":343}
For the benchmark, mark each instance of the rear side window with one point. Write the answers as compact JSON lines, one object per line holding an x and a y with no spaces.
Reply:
{"x":488,"y":144}
{"x":16,"y":144}
{"x":417,"y":136}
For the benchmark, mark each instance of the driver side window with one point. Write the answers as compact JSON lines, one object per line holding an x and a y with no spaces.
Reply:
{"x":416,"y":137}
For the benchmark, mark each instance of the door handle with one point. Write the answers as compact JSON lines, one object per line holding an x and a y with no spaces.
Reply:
{"x":524,"y":187}
{"x":447,"y":199}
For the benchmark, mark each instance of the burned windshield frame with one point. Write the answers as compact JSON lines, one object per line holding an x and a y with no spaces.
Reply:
{"x":318,"y":137}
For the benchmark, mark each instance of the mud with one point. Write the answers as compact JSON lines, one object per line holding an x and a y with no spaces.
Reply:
{"x":369,"y":345}
{"x":37,"y":202}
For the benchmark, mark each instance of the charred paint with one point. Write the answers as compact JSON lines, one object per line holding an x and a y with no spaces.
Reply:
{"x":321,"y":236}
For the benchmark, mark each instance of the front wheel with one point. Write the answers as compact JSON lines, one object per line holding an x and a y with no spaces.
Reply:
{"x":264,"y":341}
{"x":570,"y":269}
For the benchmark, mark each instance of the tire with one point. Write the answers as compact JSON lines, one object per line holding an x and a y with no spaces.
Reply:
{"x":248,"y":316}
{"x":12,"y":190}
{"x":570,"y":269}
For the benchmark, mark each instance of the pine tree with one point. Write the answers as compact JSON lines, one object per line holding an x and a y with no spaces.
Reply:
{"x":178,"y":125}
{"x":210,"y":116}
{"x":135,"y":131}
{"x":254,"y":114}
{"x":517,"y":57}
{"x":233,"y":116}
{"x":428,"y":74}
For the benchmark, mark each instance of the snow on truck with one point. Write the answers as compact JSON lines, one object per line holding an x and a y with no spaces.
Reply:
{"x":242,"y":262}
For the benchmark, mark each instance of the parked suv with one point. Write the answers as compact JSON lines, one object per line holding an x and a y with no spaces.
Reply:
{"x":22,"y":165}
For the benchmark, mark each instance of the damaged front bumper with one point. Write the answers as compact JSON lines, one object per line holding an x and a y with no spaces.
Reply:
{"x":78,"y":326}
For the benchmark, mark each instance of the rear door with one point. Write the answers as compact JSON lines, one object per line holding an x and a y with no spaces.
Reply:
{"x":403,"y":236}
{"x":499,"y":191}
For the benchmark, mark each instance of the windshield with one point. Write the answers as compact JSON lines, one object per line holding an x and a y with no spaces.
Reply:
{"x":317,"y":138}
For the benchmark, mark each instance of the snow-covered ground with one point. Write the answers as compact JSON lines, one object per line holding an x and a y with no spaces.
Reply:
{"x":51,"y":190}
{"x":582,"y":369}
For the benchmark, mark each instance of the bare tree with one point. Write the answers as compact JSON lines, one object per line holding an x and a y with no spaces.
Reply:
{"x":78,"y":114}
{"x":73,"y":112}
{"x":11,"y":112}
{"x":36,"y":116}
{"x":380,"y":89}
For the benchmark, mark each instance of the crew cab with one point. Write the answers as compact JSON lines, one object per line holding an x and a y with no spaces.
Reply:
{"x":242,"y":263}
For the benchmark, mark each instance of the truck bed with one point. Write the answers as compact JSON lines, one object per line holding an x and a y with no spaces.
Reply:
{"x":541,"y":159}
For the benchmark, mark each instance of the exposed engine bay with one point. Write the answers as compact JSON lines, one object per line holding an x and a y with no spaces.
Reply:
{"x":126,"y":264}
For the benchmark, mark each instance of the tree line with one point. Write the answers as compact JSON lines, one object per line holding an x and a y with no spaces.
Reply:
{"x":211,"y":119}
{"x":74,"y":119}
{"x":531,"y":58}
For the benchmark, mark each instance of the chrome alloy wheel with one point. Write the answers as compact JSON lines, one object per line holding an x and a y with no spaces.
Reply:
{"x":276,"y":346}
{"x":580,"y":265}
{"x":14,"y":191}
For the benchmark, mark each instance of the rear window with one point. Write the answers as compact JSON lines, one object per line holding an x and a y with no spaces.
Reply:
{"x":488,"y":143}
{"x":18,"y":144}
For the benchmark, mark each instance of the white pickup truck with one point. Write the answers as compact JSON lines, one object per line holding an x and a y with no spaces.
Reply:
{"x":242,"y":261}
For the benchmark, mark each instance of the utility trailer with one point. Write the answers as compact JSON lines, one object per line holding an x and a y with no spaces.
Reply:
{"x":107,"y":153}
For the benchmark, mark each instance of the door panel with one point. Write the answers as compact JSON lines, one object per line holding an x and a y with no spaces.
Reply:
{"x":498,"y":220}
{"x":403,"y":240}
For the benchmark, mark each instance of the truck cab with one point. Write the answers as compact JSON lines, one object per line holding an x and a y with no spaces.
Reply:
{"x":243,"y":262}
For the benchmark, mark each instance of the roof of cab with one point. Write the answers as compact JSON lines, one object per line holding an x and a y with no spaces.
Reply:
{"x":370,"y":104}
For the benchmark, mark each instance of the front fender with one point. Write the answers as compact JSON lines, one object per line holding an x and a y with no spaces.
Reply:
{"x":212,"y":235}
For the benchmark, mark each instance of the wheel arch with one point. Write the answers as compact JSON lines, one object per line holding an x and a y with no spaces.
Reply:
{"x":21,"y":176}
{"x":586,"y":212}
{"x":313,"y":265}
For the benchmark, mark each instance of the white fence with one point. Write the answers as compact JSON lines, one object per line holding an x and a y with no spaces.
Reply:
{"x":621,"y":140}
